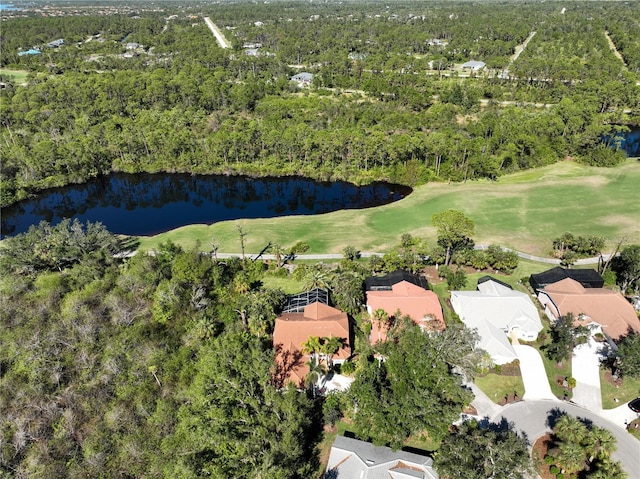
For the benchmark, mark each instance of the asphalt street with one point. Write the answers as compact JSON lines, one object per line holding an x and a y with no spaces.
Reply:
{"x":533,"y":419}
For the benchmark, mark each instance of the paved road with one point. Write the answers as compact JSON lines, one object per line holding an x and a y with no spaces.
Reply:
{"x":369,"y":254}
{"x":532,"y":419}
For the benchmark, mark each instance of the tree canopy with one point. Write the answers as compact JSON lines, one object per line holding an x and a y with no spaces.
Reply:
{"x":454,"y":230}
{"x":627,"y":268}
{"x":474,"y":452}
{"x":411,"y":389}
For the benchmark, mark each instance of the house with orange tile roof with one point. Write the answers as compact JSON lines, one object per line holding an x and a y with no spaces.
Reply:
{"x":601,"y":307}
{"x":294,"y":328}
{"x":402,"y":294}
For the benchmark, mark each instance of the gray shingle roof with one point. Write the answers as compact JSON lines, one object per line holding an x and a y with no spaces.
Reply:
{"x":351,"y":458}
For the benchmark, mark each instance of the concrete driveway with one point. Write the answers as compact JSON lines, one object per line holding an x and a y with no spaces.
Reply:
{"x":585,"y":368}
{"x":534,"y":376}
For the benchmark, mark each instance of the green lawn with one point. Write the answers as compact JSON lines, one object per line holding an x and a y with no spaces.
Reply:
{"x":19,"y":76}
{"x":497,"y":386}
{"x":628,"y":389}
{"x":555,"y":370}
{"x":287,"y":284}
{"x":524,"y":211}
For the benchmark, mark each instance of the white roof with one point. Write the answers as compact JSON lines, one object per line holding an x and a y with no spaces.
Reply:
{"x":304,"y":76}
{"x":495,"y":310}
{"x":475,"y":64}
{"x":351,"y":458}
{"x":494,"y":341}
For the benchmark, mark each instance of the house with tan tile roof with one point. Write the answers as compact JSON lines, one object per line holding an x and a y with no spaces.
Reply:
{"x":401,"y":293}
{"x":293,"y":329}
{"x":590,"y":306}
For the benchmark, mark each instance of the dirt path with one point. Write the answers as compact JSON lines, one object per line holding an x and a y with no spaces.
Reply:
{"x":613,"y":47}
{"x":520,"y":48}
{"x":222,"y":41}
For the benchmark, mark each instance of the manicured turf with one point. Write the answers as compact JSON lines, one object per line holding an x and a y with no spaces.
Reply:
{"x":497,"y":386}
{"x":19,"y":76}
{"x":627,"y":390}
{"x":524,"y":211}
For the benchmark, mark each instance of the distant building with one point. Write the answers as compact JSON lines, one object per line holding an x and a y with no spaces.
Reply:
{"x":357,"y":56}
{"x":437,"y":42}
{"x":303,"y":79}
{"x":56,"y":43}
{"x":32,"y":51}
{"x":407,"y":294}
{"x":474,"y":65}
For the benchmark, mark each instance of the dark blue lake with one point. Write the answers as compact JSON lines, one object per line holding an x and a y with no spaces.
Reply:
{"x":147,"y":204}
{"x":629,"y":142}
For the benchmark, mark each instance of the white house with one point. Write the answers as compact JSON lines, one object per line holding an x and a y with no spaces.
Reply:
{"x":354,"y":459}
{"x":303,"y":78}
{"x":474,"y":65}
{"x":497,"y":312}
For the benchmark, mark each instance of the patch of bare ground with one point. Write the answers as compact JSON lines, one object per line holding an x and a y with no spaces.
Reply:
{"x":614,"y":48}
{"x":608,"y":377}
{"x":470,"y":410}
{"x":539,"y":450}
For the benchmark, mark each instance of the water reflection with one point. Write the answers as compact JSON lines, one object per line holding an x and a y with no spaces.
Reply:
{"x":146,"y":204}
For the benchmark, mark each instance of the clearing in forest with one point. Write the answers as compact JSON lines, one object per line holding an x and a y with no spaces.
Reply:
{"x":19,"y":76}
{"x":222,"y":41}
{"x":524,"y":210}
{"x":613,"y":48}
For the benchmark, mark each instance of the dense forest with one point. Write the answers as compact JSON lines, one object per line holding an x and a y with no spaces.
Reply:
{"x":388,"y":99}
{"x":162,"y":365}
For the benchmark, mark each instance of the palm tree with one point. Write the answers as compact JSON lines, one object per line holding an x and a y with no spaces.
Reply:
{"x":317,"y":278}
{"x":330,"y":347}
{"x":312,"y":346}
{"x":279,"y":252}
{"x":571,"y":457}
{"x":570,"y":429}
{"x":381,"y":318}
{"x":606,"y":468}
{"x":316,"y":371}
{"x":600,"y":443}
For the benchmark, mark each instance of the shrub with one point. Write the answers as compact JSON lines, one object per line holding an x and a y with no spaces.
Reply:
{"x":444,"y":271}
{"x":332,"y":408}
{"x":554,"y":469}
{"x":300,"y":272}
{"x":347,"y":368}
